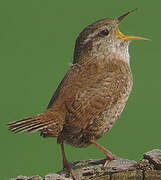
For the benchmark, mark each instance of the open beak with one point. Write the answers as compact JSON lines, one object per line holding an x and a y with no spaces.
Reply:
{"x":122,"y":36}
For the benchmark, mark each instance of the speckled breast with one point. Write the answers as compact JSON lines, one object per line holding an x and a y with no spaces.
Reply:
{"x":118,"y":100}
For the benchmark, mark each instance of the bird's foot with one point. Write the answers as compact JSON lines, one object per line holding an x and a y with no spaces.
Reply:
{"x":109,"y":155}
{"x":66,"y":163}
{"x":109,"y":158}
{"x":68,"y":166}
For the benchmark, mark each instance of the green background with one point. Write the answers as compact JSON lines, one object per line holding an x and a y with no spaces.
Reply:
{"x":36,"y":45}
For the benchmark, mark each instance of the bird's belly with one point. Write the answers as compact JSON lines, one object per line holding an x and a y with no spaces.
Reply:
{"x":106,"y":120}
{"x":81,"y":137}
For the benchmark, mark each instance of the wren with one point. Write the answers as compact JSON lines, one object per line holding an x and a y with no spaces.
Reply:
{"x":93,"y":93}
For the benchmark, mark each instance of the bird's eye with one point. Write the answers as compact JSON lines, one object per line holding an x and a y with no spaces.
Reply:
{"x":104,"y":32}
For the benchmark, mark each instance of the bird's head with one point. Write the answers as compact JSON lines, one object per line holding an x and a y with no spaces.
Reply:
{"x":103,"y":38}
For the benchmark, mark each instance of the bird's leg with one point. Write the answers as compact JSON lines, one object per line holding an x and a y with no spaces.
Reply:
{"x":66,"y":163}
{"x":109,"y":155}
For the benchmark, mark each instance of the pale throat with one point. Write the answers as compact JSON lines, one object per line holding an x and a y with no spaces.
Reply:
{"x":117,"y":52}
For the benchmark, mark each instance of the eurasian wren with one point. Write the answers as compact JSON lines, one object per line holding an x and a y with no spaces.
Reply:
{"x":93,"y":93}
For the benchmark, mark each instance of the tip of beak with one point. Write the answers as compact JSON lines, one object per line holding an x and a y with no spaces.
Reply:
{"x":126,"y":14}
{"x":137,"y":38}
{"x":146,"y":39}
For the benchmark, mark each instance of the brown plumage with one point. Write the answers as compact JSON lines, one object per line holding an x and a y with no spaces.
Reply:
{"x":92,"y":94}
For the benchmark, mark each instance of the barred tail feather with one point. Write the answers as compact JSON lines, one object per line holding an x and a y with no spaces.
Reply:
{"x":31,"y":124}
{"x":50,"y":122}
